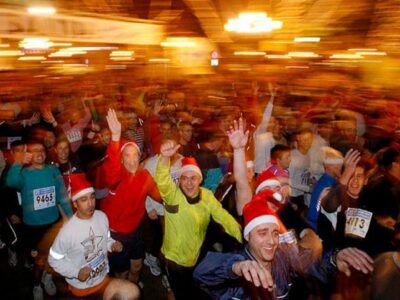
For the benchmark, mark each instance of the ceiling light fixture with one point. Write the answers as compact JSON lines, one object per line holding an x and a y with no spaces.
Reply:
{"x":41,"y":10}
{"x":252,"y":23}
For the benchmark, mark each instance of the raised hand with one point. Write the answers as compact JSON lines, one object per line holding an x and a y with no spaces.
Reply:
{"x":158,"y":106}
{"x":354,"y":258}
{"x":272,"y":90}
{"x":34,"y":119}
{"x":237,"y":137}
{"x":253,"y":272}
{"x":23,"y":158}
{"x":114,"y":125}
{"x":168,"y":149}
{"x":351,"y":160}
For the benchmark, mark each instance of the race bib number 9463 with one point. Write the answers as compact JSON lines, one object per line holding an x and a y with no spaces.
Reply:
{"x":357,"y":222}
{"x":44,"y":197}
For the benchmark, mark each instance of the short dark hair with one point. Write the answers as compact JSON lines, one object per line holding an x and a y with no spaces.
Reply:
{"x":387,"y":156}
{"x":278,"y":150}
{"x":184,"y":123}
{"x":35,"y":142}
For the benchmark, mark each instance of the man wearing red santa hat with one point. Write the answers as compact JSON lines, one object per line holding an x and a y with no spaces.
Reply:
{"x":264,"y":269}
{"x":79,"y":252}
{"x":188,"y":210}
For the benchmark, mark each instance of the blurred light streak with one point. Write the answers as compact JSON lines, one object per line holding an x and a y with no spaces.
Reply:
{"x":122,"y":53}
{"x":122,"y":58}
{"x":115,"y":67}
{"x":32,"y":58}
{"x":372,"y":53}
{"x":346,"y":56}
{"x":52,"y":62}
{"x":297,"y":67}
{"x":73,"y":49}
{"x":159,"y":60}
{"x":178,"y":42}
{"x":41,"y":10}
{"x":62,"y":44}
{"x":4,"y":45}
{"x":362,"y":49}
{"x":278,"y":56}
{"x":11,"y":53}
{"x":307,"y":39}
{"x":303,"y":54}
{"x":250,"y":53}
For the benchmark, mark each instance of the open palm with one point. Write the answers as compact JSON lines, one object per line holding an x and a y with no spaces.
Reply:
{"x":237,"y":137}
{"x":113,"y":124}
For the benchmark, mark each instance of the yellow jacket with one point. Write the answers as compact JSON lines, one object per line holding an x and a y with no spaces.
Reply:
{"x":186,"y":224}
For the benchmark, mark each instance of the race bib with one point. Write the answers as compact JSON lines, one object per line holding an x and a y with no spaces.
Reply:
{"x":357,"y":222}
{"x":74,"y":135}
{"x":99,"y":266}
{"x":44,"y":197}
{"x":288,"y":237}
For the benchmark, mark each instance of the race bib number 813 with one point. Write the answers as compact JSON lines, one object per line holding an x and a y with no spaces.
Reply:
{"x":357,"y":222}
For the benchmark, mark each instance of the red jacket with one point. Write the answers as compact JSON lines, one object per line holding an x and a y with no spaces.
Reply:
{"x":125,"y":204}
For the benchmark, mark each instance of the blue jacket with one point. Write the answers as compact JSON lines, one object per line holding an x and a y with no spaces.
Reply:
{"x":215,"y":276}
{"x":326,"y":181}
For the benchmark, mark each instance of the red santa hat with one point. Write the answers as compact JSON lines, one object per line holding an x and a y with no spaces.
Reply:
{"x":265,"y":179}
{"x":270,"y":196}
{"x":80,"y":186}
{"x":127,"y":143}
{"x":190,"y":164}
{"x":257,"y":212}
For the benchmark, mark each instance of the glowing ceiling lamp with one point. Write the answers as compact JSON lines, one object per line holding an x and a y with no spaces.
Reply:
{"x":35,"y":43}
{"x":41,"y":10}
{"x":252,"y":23}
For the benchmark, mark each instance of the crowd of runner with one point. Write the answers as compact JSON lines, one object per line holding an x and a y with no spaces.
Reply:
{"x":274,"y":199}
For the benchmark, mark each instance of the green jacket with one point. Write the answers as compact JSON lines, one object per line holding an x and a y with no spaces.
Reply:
{"x":186,"y":224}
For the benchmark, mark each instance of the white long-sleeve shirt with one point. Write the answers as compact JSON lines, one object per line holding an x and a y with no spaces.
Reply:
{"x":299,"y":173}
{"x":263,"y":140}
{"x":82,"y":243}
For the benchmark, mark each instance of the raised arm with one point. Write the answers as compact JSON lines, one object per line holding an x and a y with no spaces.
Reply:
{"x":238,"y":140}
{"x":335,"y":197}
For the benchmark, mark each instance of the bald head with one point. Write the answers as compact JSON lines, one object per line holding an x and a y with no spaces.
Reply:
{"x":119,"y":289}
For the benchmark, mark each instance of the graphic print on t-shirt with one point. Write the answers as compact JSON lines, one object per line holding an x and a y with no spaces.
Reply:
{"x":94,"y":255}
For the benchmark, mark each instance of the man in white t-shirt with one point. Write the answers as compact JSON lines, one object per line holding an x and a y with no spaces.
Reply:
{"x":79,"y":252}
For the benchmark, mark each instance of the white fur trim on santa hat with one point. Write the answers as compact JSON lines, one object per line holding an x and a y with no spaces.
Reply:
{"x":265,"y":183}
{"x":81,"y":193}
{"x":193,"y":168}
{"x":130,"y":143}
{"x":277,"y":196}
{"x":258,"y":221}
